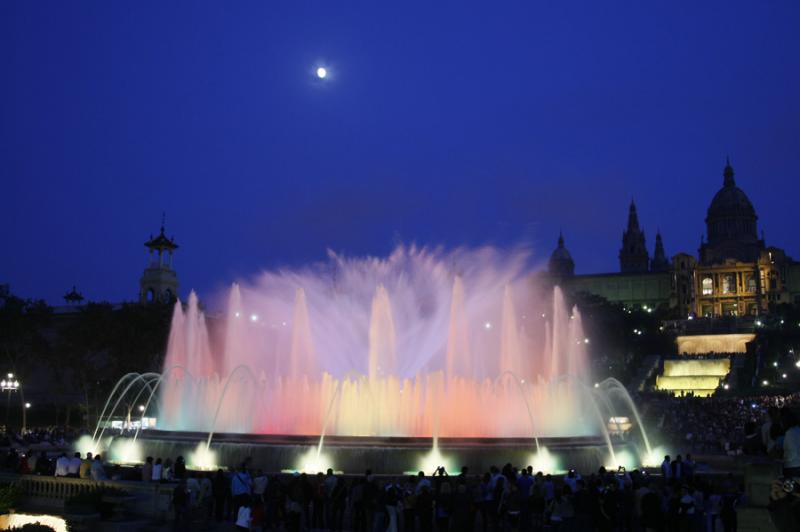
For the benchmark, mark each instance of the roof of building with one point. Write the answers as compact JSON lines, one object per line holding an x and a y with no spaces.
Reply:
{"x":730,"y":200}
{"x":161,"y":241}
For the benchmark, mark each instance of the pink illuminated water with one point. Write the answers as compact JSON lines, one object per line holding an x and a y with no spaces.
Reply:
{"x":420,"y":343}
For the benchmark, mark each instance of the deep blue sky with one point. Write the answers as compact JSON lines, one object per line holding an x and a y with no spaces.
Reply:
{"x":440,"y":124}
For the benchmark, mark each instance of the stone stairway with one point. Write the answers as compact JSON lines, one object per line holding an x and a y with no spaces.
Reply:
{"x":646,"y":370}
{"x":736,"y":365}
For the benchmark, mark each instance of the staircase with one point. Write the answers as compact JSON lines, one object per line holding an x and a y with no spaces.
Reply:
{"x":736,"y":365}
{"x":647,"y":368}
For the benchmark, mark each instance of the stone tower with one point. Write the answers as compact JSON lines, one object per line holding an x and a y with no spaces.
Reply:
{"x":159,"y":281}
{"x":633,"y":256}
{"x":659,"y":262}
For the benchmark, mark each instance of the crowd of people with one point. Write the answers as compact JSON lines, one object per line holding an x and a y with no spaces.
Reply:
{"x":53,"y":436}
{"x":499,"y":499}
{"x":715,"y":425}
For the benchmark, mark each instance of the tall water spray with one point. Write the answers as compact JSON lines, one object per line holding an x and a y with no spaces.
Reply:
{"x":421,"y":343}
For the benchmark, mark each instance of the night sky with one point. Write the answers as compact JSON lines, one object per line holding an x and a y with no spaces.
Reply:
{"x":438,"y":124}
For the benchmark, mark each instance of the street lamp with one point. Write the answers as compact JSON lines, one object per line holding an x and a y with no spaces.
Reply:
{"x":9,"y":385}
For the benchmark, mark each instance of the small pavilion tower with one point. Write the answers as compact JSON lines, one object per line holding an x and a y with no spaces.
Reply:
{"x":159,"y":281}
{"x":73,"y":297}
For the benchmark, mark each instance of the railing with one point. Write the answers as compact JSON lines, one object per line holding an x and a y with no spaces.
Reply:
{"x":148,"y":498}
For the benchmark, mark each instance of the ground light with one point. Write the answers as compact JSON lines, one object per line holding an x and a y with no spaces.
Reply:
{"x":312,"y":462}
{"x":18,"y":521}
{"x":202,"y":458}
{"x":126,"y":451}
{"x":86,"y":444}
{"x":433,"y":460}
{"x":655,"y":457}
{"x":545,"y":462}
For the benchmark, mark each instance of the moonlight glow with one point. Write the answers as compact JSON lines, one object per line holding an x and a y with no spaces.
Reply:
{"x":322,"y":72}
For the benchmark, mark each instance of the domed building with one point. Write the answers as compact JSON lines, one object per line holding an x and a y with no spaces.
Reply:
{"x":561,"y":263}
{"x":731,"y":225}
{"x":734,"y":274}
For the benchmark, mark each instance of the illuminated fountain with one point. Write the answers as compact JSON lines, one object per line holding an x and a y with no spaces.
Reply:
{"x":421,"y":348}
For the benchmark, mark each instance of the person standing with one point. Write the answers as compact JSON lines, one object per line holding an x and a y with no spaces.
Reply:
{"x":791,"y":444}
{"x":219,"y":489}
{"x":241,"y":489}
{"x":147,"y":469}
{"x":157,"y":468}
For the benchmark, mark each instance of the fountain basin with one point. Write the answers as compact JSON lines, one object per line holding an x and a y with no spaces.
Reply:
{"x":383,"y":455}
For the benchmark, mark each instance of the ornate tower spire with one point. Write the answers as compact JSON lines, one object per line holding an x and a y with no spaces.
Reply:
{"x":659,"y":262}
{"x":159,"y":281}
{"x":633,"y":256}
{"x":727,"y":174}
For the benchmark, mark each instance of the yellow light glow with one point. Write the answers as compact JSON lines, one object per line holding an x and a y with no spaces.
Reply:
{"x":431,"y":461}
{"x":126,"y":451}
{"x":545,"y":462}
{"x":312,"y":462}
{"x":202,"y":458}
{"x":17,"y":521}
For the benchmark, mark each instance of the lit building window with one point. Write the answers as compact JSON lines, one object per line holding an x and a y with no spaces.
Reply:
{"x":729,"y":283}
{"x":751,"y":283}
{"x":708,"y":286}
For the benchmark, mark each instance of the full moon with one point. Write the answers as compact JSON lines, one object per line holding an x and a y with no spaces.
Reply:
{"x":322,"y":72}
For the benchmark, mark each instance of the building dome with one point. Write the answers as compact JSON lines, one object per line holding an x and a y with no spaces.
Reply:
{"x":731,"y":223}
{"x":561,"y":263}
{"x":730,"y":200}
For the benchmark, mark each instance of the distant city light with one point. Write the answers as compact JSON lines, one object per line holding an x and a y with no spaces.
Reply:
{"x":774,"y":364}
{"x":726,"y":386}
{"x":585,"y":340}
{"x":597,"y":385}
{"x":765,"y":382}
{"x":487,"y":325}
{"x":758,"y":323}
{"x":141,"y":408}
{"x":27,"y":405}
{"x":797,"y":363}
{"x":237,"y":314}
{"x":254,"y":317}
{"x":783,"y":375}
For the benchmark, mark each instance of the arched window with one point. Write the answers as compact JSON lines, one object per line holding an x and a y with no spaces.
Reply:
{"x":708,"y":286}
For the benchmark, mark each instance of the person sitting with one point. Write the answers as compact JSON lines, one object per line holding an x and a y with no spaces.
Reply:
{"x":74,"y":466}
{"x":86,"y":466}
{"x":62,"y":466}
{"x":98,"y":472}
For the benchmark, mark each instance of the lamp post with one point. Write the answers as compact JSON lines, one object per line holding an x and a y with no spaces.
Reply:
{"x":9,"y":385}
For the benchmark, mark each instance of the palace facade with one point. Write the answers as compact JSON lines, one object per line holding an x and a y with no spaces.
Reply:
{"x":734,"y":273}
